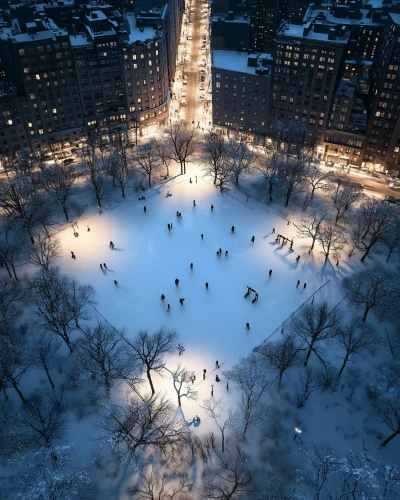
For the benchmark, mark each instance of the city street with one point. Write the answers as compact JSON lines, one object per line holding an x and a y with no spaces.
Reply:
{"x":192,"y":95}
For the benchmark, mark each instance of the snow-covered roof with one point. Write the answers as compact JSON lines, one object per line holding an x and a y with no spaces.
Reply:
{"x":139,"y":34}
{"x":80,"y":41}
{"x":230,"y":60}
{"x":236,"y":19}
{"x":312,"y":13}
{"x":40,"y":35}
{"x":96,"y":15}
{"x":298,"y":31}
{"x":395,"y":17}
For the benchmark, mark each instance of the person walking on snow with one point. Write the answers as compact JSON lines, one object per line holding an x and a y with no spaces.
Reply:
{"x":202,"y":236}
{"x":115,"y":282}
{"x":297,"y":258}
{"x":194,"y":203}
{"x":253,"y":239}
{"x":216,"y":364}
{"x":305,"y":286}
{"x":105,"y":265}
{"x":111,"y":245}
{"x":247,"y":326}
{"x":168,"y":308}
{"x":273,"y":230}
{"x":270,"y":273}
{"x":144,"y":209}
{"x":204,"y":374}
{"x":101,"y":266}
{"x":298,"y":283}
{"x":162,"y":296}
{"x":176,"y":282}
{"x":191,"y":265}
{"x":169,"y":227}
{"x":181,"y":301}
{"x":232,"y":229}
{"x":226,"y":253}
{"x":212,"y":208}
{"x":206,"y":286}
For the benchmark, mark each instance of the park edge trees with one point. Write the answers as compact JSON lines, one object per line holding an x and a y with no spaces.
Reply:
{"x":149,"y":350}
{"x":182,"y":142}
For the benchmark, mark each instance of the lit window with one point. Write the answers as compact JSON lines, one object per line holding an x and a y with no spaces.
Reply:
{"x":54,"y":110}
{"x":9,"y":122}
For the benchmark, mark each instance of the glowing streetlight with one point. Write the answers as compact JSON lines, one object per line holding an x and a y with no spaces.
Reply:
{"x":297,"y":432}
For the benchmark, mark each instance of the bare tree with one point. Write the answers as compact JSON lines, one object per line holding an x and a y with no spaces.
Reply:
{"x":291,"y":175}
{"x":332,"y":239}
{"x":371,"y":288}
{"x":387,"y":408}
{"x":12,"y":253}
{"x":60,"y":303}
{"x":182,"y":141}
{"x":269,"y":170}
{"x":37,"y":474}
{"x":214,"y":408}
{"x":314,"y":324}
{"x":148,"y":159}
{"x":149,"y":350}
{"x":44,"y":253}
{"x":43,"y":352}
{"x":240,"y":159}
{"x":103,"y":357}
{"x":232,"y":477}
{"x":12,"y":294}
{"x":119,"y":168}
{"x":59,"y":182}
{"x":312,"y":380}
{"x":391,"y":240}
{"x":214,"y":152}
{"x":374,"y":221}
{"x":251,"y":378}
{"x":41,"y":423}
{"x":311,"y":226}
{"x":320,"y":466}
{"x":281,"y":355}
{"x":153,"y":486}
{"x":343,"y":199}
{"x":316,"y":178}
{"x":182,"y":381}
{"x":140,"y":423}
{"x":93,"y":171}
{"x":355,"y":340}
{"x":14,"y":361}
{"x":163,"y":150}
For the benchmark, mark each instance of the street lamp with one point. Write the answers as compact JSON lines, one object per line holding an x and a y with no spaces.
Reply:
{"x":297,"y":432}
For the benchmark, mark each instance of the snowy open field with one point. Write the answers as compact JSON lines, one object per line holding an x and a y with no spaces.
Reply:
{"x":211,"y":324}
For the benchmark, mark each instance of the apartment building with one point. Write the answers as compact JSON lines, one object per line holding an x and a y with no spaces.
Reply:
{"x":240,"y":90}
{"x":347,"y":126}
{"x":103,"y":68}
{"x":381,"y":149}
{"x":306,"y":69}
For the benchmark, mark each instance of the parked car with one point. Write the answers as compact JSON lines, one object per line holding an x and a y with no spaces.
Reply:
{"x":392,"y":199}
{"x":68,"y":161}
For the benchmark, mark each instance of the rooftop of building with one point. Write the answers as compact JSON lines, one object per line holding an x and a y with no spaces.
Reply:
{"x":230,"y":60}
{"x":395,"y":17}
{"x":325,"y":15}
{"x":310,"y":31}
{"x":245,"y":19}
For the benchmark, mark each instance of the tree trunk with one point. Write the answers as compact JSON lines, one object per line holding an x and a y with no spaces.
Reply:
{"x":280,"y":381}
{"x":237,"y":180}
{"x":367,"y":308}
{"x":308,"y":355}
{"x":98,"y":200}
{"x":346,"y":358}
{"x":270,"y":192}
{"x":123,"y":191}
{"x":8,"y":269}
{"x":366,"y":253}
{"x":287,"y":198}
{"x":48,"y":373}
{"x":151,"y":382}
{"x":222,"y":441}
{"x":15,"y":274}
{"x":313,"y":242}
{"x":179,"y":400}
{"x":31,"y":238}
{"x":65,"y":212}
{"x":215,"y":177}
{"x":149,"y":180}
{"x":390,"y":253}
{"x":389,"y":439}
{"x":15,"y":386}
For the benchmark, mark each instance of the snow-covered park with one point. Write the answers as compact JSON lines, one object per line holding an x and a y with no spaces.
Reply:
{"x":262,"y":402}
